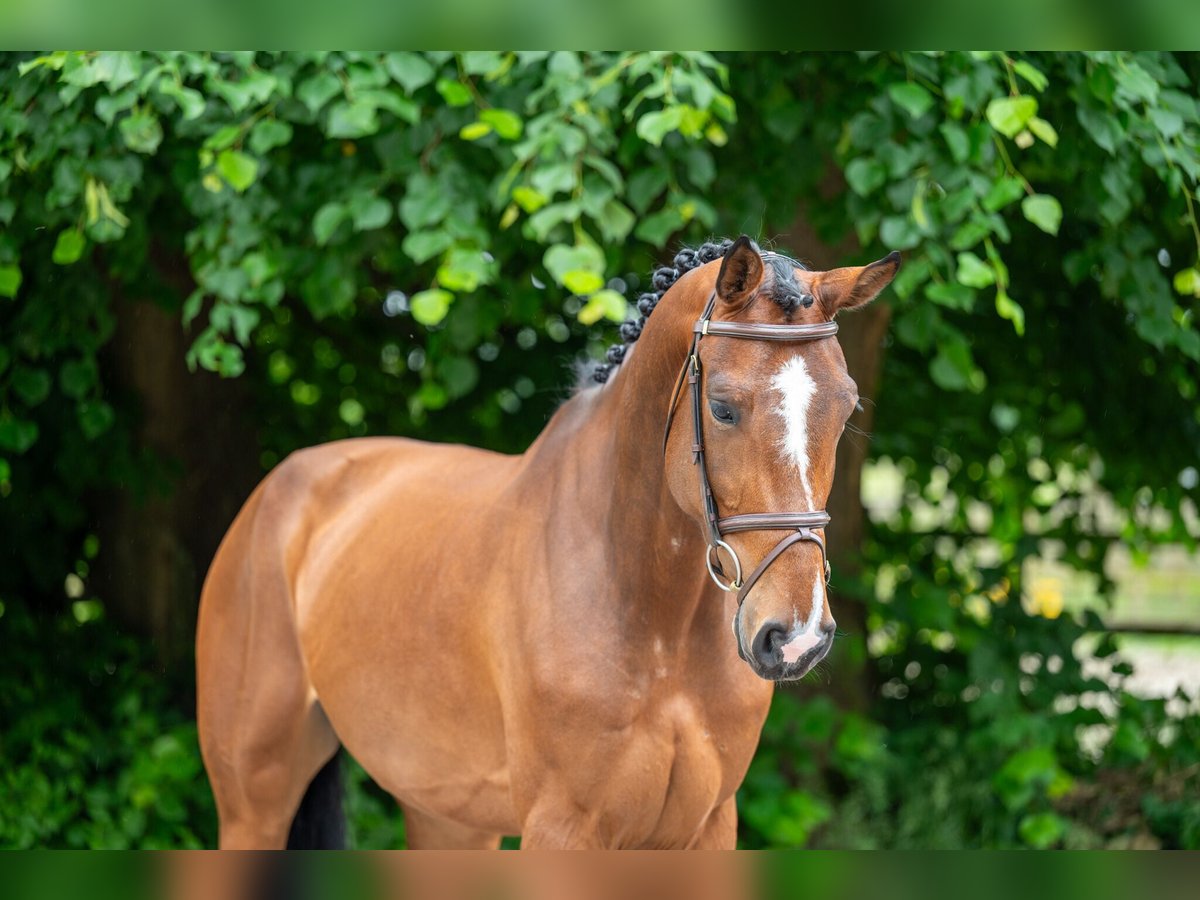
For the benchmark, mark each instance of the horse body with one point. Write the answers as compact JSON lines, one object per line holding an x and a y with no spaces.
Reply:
{"x":507,"y":644}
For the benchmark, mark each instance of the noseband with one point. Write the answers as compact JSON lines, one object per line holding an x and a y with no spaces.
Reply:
{"x":802,"y":525}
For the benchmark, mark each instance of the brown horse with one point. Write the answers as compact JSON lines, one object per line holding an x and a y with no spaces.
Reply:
{"x":533,"y":644}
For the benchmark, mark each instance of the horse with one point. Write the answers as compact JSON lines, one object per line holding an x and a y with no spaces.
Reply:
{"x":540,"y":645}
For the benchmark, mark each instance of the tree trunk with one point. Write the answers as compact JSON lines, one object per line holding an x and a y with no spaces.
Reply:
{"x":156,"y":543}
{"x":861,"y":335}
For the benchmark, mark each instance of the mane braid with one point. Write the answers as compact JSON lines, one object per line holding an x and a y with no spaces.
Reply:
{"x":784,"y":290}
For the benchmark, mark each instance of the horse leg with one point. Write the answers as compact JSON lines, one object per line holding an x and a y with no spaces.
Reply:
{"x":263,"y":735}
{"x":426,"y":832}
{"x":261,"y":769}
{"x":720,"y":830}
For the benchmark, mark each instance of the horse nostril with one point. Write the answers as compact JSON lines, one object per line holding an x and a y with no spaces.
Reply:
{"x":829,"y":628}
{"x":767,"y":642}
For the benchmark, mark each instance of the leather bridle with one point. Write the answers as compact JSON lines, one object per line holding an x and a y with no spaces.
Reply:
{"x":802,"y":525}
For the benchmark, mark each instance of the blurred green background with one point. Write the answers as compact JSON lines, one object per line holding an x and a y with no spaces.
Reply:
{"x":208,"y":260}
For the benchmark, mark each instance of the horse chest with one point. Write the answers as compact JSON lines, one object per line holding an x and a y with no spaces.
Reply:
{"x":681,"y":757}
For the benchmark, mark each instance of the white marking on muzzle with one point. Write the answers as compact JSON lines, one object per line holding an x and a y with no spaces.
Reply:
{"x":806,"y":636}
{"x":796,"y":388}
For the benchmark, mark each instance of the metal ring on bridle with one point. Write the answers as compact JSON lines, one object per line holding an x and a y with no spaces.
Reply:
{"x":734,"y":585}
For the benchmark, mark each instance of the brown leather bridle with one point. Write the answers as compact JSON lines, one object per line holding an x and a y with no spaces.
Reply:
{"x":803,"y":525}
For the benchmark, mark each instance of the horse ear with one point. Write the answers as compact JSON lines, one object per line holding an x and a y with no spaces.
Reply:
{"x":741,"y":272}
{"x":854,"y":286}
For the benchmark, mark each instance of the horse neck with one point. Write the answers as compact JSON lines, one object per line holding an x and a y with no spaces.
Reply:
{"x":656,"y":549}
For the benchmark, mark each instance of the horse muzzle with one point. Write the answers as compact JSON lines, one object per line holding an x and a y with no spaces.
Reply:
{"x":780,"y":653}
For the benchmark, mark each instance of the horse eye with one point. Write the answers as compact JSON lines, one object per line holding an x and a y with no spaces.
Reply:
{"x":723,"y":412}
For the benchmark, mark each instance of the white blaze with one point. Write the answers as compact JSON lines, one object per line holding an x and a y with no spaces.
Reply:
{"x":796,"y":389}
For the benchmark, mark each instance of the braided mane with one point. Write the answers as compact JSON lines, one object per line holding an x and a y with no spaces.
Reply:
{"x":784,"y":291}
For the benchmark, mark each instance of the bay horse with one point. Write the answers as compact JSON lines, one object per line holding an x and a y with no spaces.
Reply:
{"x":539,"y":645}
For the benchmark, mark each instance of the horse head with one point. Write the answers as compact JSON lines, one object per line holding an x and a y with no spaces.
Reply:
{"x":770,"y":397}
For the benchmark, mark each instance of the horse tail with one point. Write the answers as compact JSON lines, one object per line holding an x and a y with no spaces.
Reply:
{"x":320,"y":822}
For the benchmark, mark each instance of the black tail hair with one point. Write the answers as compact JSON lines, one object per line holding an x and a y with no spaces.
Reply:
{"x":320,"y":822}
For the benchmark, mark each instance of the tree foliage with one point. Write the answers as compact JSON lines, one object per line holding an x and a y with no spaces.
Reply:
{"x":416,"y":242}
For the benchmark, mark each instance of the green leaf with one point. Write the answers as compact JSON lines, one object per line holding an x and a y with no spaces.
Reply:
{"x":1003,"y":192}
{"x":974,"y":272}
{"x":1187,"y":282}
{"x":141,"y":131}
{"x":222,"y":138}
{"x":431,"y":396}
{"x":912,"y":98}
{"x":553,"y":179}
{"x":1031,"y":74}
{"x":409,"y":69}
{"x":1043,"y":211}
{"x":69,"y":247}
{"x":369,"y":213}
{"x":10,"y":281}
{"x":420,"y":246}
{"x":506,"y":123}
{"x":16,"y":435}
{"x":464,"y":269}
{"x":482,"y":62}
{"x":952,"y":295}
{"x":1135,"y":83}
{"x":351,"y":412}
{"x":654,"y":126}
{"x":109,"y":105}
{"x":603,"y":304}
{"x":327,"y":219}
{"x":31,"y":385}
{"x":581,"y":281}
{"x":191,"y":102}
{"x":529,"y":199}
{"x":951,"y":368}
{"x":253,"y":86}
{"x":268,"y":134}
{"x":352,"y":120}
{"x":561,"y":259}
{"x":95,"y":418}
{"x":315,"y":92}
{"x":459,"y":375}
{"x":238,"y":169}
{"x":1168,"y":122}
{"x":1043,"y":131}
{"x":1041,"y":830}
{"x":77,"y":377}
{"x":427,"y":201}
{"x":865,"y":175}
{"x":1008,"y":115}
{"x":430,"y":307}
{"x":899,"y":232}
{"x":453,"y":92}
{"x":956,"y":140}
{"x":1104,"y":127}
{"x":241,"y":320}
{"x":1010,"y":309}
{"x":543,"y":222}
{"x":616,"y":221}
{"x":658,"y":227}
{"x":474,"y":131}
